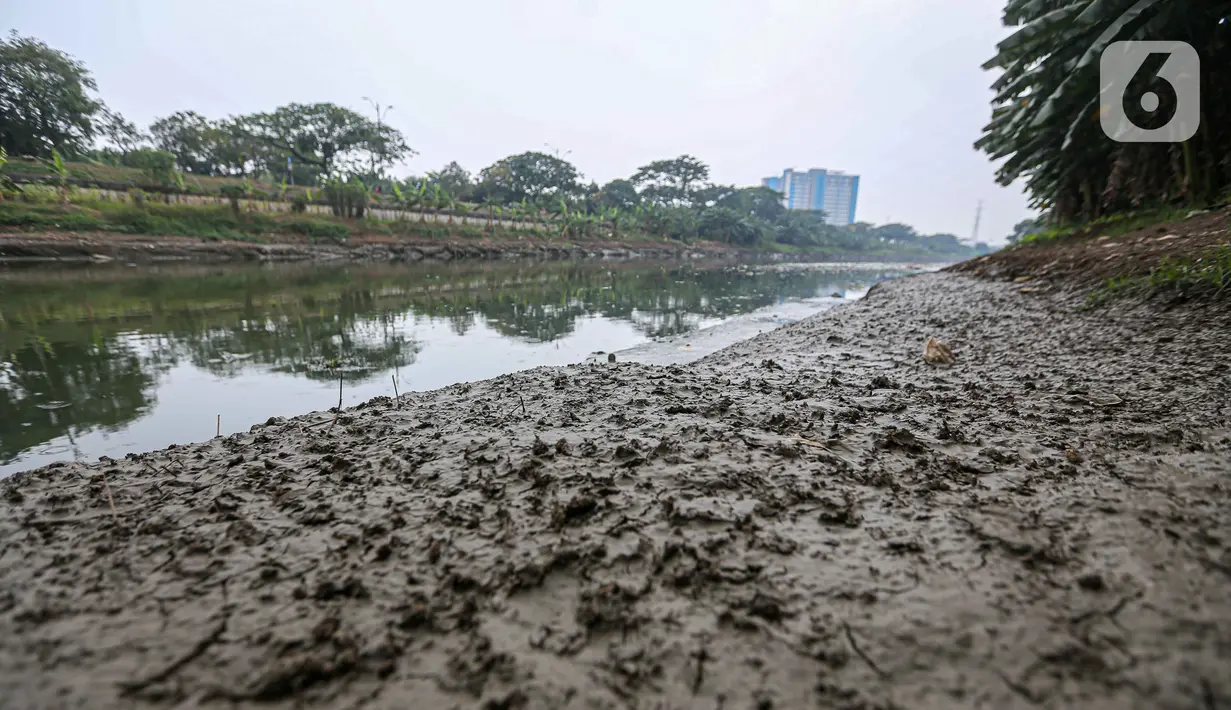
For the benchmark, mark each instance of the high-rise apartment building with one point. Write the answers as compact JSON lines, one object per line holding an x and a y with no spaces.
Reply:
{"x":831,"y":191}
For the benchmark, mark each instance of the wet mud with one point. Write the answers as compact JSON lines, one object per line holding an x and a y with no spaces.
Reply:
{"x":812,"y":518}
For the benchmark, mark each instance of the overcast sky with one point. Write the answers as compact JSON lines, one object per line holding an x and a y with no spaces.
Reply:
{"x":889,"y":89}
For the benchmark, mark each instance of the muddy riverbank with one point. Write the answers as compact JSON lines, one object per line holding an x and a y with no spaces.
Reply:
{"x":811,"y":518}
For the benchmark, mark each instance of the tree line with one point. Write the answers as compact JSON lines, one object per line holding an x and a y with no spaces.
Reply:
{"x":48,"y":104}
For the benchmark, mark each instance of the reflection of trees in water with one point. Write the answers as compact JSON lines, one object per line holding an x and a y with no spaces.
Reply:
{"x":107,"y":384}
{"x":346,"y":336}
{"x":317,"y":323}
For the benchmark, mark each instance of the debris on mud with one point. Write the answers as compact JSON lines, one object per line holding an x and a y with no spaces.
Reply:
{"x":936,"y":352}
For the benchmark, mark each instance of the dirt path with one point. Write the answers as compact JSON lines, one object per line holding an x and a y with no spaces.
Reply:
{"x":814,"y":518}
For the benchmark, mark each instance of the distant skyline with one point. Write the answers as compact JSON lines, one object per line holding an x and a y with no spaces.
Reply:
{"x":890,"y":90}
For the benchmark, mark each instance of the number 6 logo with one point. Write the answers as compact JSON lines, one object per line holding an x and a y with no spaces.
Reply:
{"x":1150,"y":92}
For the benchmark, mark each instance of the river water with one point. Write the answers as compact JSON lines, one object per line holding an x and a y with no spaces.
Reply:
{"x":113,"y":359}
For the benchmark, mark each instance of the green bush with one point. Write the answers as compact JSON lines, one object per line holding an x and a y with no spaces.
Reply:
{"x":35,"y":217}
{"x":346,"y":199}
{"x":137,"y":197}
{"x":158,"y":165}
{"x":318,"y":229}
{"x":233,"y":193}
{"x":39,"y":195}
{"x":299,"y":204}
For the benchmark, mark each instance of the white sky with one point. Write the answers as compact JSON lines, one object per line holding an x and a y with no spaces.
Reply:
{"x":889,"y":89}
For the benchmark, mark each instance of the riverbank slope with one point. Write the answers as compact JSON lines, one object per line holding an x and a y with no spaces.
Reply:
{"x":814,"y":517}
{"x":24,"y":247}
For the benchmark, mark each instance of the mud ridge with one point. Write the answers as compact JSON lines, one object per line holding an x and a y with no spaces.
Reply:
{"x":812,"y":518}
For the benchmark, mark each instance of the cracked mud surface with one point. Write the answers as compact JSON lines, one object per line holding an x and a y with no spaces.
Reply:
{"x":813,"y":518}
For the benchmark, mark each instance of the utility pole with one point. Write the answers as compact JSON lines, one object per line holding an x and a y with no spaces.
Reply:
{"x":380,"y":117}
{"x":974,"y":237}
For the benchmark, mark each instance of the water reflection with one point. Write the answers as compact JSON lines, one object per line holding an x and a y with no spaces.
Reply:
{"x":91,"y":349}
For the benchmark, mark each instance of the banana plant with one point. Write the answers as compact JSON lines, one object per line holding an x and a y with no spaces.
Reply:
{"x":56,"y":164}
{"x":6,"y":183}
{"x":420,"y":198}
{"x":1045,"y":125}
{"x":526,"y":213}
{"x":613,"y":217}
{"x":492,"y":207}
{"x":399,"y":200}
{"x":442,"y":201}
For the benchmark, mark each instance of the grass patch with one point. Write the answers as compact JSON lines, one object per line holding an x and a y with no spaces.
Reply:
{"x":1208,"y":276}
{"x":46,"y":213}
{"x":135,"y":177}
{"x":1111,"y":225}
{"x":156,"y":219}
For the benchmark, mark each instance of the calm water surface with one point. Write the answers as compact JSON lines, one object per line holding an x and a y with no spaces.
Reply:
{"x":108,"y":360}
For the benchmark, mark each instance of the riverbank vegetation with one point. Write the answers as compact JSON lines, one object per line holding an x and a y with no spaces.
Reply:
{"x":1118,"y":219}
{"x":1046,"y":126}
{"x":1207,"y":275}
{"x":323,"y":157}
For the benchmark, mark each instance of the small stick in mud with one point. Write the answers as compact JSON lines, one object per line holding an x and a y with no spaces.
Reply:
{"x":339,"y":410}
{"x":397,"y":398}
{"x":218,"y":425}
{"x":110,"y":500}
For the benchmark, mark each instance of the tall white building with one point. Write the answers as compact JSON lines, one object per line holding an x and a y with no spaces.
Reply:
{"x":832,"y":191}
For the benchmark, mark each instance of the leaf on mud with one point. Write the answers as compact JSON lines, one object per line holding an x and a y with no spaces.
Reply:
{"x":936,"y":352}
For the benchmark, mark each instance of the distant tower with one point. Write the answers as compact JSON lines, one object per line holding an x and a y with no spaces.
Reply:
{"x":974,"y":237}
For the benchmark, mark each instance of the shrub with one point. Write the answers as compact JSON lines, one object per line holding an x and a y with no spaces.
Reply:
{"x":47,"y":217}
{"x":233,"y":193}
{"x":346,"y":199}
{"x":137,"y":197}
{"x":158,"y":165}
{"x":299,"y":204}
{"x":39,"y":194}
{"x":318,"y":229}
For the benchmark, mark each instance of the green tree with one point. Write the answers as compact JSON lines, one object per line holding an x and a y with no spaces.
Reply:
{"x":760,"y":202}
{"x":724,"y":224}
{"x":187,"y":136}
{"x":896,"y":233}
{"x":45,"y":100}
{"x":620,"y":193}
{"x":671,"y":182}
{"x":158,"y":165}
{"x":453,"y":179}
{"x":120,"y":132}
{"x":944,"y":244}
{"x":529,"y":176}
{"x":232,"y":151}
{"x":801,"y":229}
{"x":1024,"y":228}
{"x":323,"y":135}
{"x":1045,"y":125}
